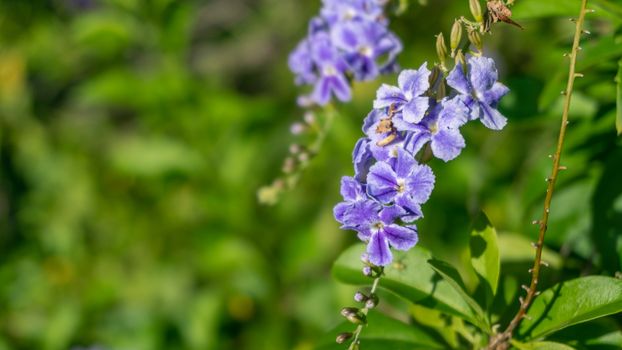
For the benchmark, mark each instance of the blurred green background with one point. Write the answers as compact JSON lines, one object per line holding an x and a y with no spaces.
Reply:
{"x":134,"y":135}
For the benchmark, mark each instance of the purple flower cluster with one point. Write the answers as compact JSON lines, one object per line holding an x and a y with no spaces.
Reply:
{"x":383,"y":199}
{"x":348,"y":40}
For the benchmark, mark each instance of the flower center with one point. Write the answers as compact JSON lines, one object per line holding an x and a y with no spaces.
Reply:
{"x":434,"y":128}
{"x":330,"y":70}
{"x":366,"y":51}
{"x":401,"y":185}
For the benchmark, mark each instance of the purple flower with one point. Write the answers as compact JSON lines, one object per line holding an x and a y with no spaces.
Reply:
{"x":407,"y":97}
{"x":335,"y":11}
{"x":441,"y":128}
{"x":383,"y":138}
{"x":362,"y":158}
{"x":377,"y":227}
{"x":356,"y":205}
{"x":480,"y":90}
{"x":404,"y":183}
{"x":364,"y":43}
{"x":331,"y":68}
{"x":301,"y":63}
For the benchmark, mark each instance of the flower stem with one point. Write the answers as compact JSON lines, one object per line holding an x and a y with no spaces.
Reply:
{"x":500,"y":341}
{"x":365,"y":310}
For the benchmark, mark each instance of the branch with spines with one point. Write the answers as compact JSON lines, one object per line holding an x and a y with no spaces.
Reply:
{"x":500,"y":341}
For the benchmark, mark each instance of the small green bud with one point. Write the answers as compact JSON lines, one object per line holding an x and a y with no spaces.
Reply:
{"x":343,"y":337}
{"x":354,"y":346}
{"x":476,"y":10}
{"x":461,"y":60}
{"x":441,"y":48}
{"x":476,"y":39}
{"x":456,"y":36}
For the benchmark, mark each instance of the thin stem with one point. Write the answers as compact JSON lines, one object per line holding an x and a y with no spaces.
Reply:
{"x":500,"y":341}
{"x":365,"y":310}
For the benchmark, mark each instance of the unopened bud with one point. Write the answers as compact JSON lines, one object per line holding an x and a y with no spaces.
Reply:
{"x":365,"y":258}
{"x":441,"y":48}
{"x":476,"y":39}
{"x":460,"y":60}
{"x":367,"y":271}
{"x":353,"y":315}
{"x":372,"y":301}
{"x":303,"y":157}
{"x":360,"y":297}
{"x":309,"y":117}
{"x":294,"y":148}
{"x":297,"y":128}
{"x":343,"y":337}
{"x":288,"y":165}
{"x":476,"y":10}
{"x":456,"y":36}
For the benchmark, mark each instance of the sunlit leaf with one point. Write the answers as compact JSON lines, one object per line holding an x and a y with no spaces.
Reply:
{"x":572,"y":302}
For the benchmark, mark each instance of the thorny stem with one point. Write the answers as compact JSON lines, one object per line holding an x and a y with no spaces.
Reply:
{"x":500,"y":341}
{"x":364,"y":310}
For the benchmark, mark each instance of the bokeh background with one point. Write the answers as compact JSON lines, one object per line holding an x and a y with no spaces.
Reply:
{"x":134,"y":135}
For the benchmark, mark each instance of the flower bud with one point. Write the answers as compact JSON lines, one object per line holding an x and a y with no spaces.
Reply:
{"x":294,"y":148}
{"x":353,"y":315}
{"x":288,"y":165}
{"x":360,"y":297}
{"x":441,"y":48}
{"x":354,"y":346}
{"x":367,"y":271}
{"x":476,"y":39}
{"x":456,"y":36}
{"x":372,"y":301}
{"x":476,"y":10}
{"x":343,"y":337}
{"x":365,"y":258}
{"x":309,"y":117}
{"x":461,"y":60}
{"x":297,"y":128}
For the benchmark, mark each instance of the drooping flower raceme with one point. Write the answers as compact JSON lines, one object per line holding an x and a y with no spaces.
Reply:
{"x":384,"y":198}
{"x":349,"y":39}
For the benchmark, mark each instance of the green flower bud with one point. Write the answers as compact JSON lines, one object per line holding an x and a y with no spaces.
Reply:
{"x":476,"y":10}
{"x":456,"y":36}
{"x":353,"y":315}
{"x":441,"y":48}
{"x":476,"y":39}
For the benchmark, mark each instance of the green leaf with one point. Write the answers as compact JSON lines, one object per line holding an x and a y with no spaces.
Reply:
{"x":545,"y":345}
{"x":452,"y":276}
{"x":383,"y":333}
{"x":409,"y":276}
{"x":570,"y":303}
{"x":619,"y":99}
{"x":484,"y":252}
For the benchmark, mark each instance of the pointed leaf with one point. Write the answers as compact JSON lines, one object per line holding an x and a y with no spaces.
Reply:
{"x":484,"y":251}
{"x":452,"y":276}
{"x":570,"y":303}
{"x":383,"y":333}
{"x":409,"y":276}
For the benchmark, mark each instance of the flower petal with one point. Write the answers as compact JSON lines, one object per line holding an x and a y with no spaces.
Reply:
{"x":378,"y":250}
{"x":420,"y":183}
{"x":492,"y":96}
{"x":351,"y":190}
{"x":416,"y":140}
{"x":404,"y":164}
{"x":401,"y":238}
{"x":491,"y":118}
{"x":414,"y":82}
{"x":411,"y":206}
{"x":447,"y":144}
{"x":458,"y":80}
{"x":382,"y":182}
{"x":389,"y":214}
{"x":482,"y":73}
{"x":414,"y":110}
{"x":388,"y":95}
